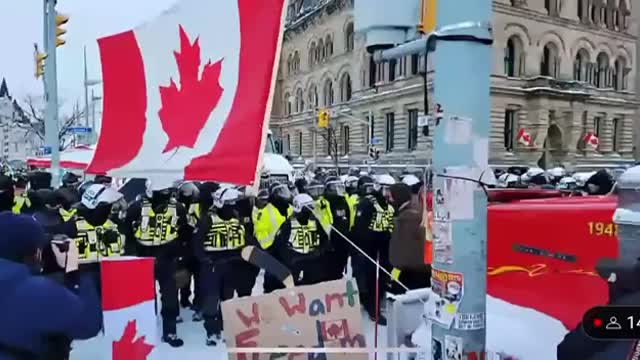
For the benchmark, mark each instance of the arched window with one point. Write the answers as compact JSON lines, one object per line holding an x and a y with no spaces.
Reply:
{"x":328,"y":44}
{"x":550,"y":62}
{"x":602,"y":70}
{"x":299,"y":100}
{"x":313,"y":97}
{"x":620,"y":74}
{"x":320,"y":51}
{"x":290,"y":64}
{"x":287,"y":104}
{"x":296,"y":62}
{"x":312,"y":54}
{"x":580,"y":72}
{"x":327,"y":92}
{"x":349,"y":37}
{"x":514,"y":57}
{"x":345,"y":87}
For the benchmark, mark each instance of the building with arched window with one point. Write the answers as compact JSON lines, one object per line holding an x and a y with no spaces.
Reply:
{"x":561,"y":69}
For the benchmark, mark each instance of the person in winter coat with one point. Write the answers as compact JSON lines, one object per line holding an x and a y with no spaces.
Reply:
{"x":599,"y":183}
{"x":7,"y":195}
{"x":34,"y":307}
{"x":406,"y":247}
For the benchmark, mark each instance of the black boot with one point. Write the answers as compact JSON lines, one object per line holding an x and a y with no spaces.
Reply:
{"x":185,"y":303}
{"x":173,"y":340}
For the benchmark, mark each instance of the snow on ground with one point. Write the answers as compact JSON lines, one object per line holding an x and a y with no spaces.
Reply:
{"x":193,"y":334}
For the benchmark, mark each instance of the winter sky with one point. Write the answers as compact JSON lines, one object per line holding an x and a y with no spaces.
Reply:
{"x":89,"y":19}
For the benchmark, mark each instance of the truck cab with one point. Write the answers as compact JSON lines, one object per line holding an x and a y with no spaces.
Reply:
{"x":275,"y":168}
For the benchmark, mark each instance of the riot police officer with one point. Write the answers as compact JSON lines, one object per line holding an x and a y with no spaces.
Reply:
{"x":220,"y":238}
{"x":302,"y":245}
{"x":372,"y":233}
{"x":246,"y":273}
{"x":268,"y":220}
{"x":315,"y":189}
{"x":335,"y":216}
{"x":152,"y":230}
{"x":95,"y":235}
{"x":187,"y":195}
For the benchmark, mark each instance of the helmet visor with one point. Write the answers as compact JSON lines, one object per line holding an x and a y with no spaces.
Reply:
{"x":282,"y":191}
{"x":335,"y":188}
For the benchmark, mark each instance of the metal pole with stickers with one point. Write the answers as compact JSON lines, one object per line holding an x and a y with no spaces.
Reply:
{"x":461,"y":128}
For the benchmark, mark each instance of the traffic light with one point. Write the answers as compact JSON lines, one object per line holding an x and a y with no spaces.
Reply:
{"x":374,"y":153}
{"x":39,"y":62}
{"x":323,"y":118}
{"x":427,"y":16}
{"x":60,"y":20}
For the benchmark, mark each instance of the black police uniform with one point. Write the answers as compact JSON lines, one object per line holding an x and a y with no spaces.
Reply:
{"x":303,"y":246}
{"x":152,"y":230}
{"x":218,"y":245}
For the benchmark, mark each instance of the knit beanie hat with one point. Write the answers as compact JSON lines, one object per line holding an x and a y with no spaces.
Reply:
{"x":21,"y":236}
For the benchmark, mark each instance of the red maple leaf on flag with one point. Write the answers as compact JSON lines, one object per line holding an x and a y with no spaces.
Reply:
{"x":128,"y":349}
{"x":184,"y":111}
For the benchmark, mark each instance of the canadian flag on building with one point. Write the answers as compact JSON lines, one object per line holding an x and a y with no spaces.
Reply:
{"x":524,"y":137}
{"x":187,"y":95}
{"x":591,"y":140}
{"x":130,"y":323}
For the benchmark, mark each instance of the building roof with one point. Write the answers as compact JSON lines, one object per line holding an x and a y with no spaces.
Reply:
{"x":4,"y":89}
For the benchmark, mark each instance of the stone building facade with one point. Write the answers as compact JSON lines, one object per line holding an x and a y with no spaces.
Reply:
{"x":562,"y":69}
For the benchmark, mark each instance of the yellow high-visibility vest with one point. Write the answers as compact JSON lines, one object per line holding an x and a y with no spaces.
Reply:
{"x":224,"y":235}
{"x":304,"y":238}
{"x":20,"y":202}
{"x":157,"y":229}
{"x":382,"y":220}
{"x":266,"y":223}
{"x":67,"y":215}
{"x":98,"y":242}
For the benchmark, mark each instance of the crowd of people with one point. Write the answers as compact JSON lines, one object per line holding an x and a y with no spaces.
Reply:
{"x":196,"y":232}
{"x":318,"y":227}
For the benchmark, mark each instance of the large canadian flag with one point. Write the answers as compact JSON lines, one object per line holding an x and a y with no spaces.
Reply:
{"x":128,"y":304}
{"x":188,"y":94}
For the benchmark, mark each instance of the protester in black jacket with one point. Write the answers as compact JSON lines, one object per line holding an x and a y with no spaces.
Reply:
{"x":33,"y":307}
{"x":624,"y":290}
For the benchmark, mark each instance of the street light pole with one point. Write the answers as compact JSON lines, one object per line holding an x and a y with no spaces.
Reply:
{"x":86,"y":90}
{"x":52,"y":139}
{"x":462,"y":84}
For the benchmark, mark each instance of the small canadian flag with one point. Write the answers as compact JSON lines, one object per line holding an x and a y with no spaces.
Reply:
{"x":128,"y":304}
{"x":590,"y":139}
{"x":524,"y":137}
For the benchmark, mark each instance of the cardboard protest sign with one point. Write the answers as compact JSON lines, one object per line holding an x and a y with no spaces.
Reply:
{"x":315,"y":316}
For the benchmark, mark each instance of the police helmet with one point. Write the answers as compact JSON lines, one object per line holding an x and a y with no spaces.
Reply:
{"x":225,"y":196}
{"x":302,"y":201}
{"x":354,"y":171}
{"x":334,"y":186}
{"x":315,"y":189}
{"x":351,"y":181}
{"x":84,"y":186}
{"x":70,"y":179}
{"x":278,"y":190}
{"x":366,"y":185}
{"x":188,"y":189}
{"x":385,"y":180}
{"x":98,"y":194}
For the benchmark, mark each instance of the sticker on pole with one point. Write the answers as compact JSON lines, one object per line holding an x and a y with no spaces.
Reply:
{"x":452,"y":347}
{"x":448,"y":289}
{"x":459,"y":189}
{"x":457,"y":130}
{"x":441,"y":209}
{"x":470,"y":321}
{"x":442,"y":243}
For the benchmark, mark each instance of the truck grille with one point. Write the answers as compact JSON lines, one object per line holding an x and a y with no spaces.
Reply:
{"x":266,"y":182}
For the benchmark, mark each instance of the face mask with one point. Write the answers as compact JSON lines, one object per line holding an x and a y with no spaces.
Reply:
{"x":227,"y":212}
{"x":101,"y":213}
{"x":303,"y":216}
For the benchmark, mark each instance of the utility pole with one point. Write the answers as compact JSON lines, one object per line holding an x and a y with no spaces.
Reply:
{"x":86,"y":90}
{"x":52,"y":21}
{"x":462,"y":44}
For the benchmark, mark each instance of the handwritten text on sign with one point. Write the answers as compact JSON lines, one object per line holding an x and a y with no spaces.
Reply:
{"x":321,"y":315}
